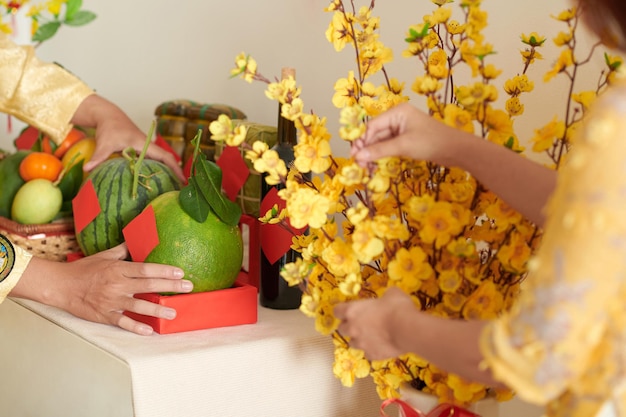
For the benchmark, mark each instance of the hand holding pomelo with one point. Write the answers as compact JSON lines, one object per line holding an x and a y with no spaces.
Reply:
{"x":210,"y":252}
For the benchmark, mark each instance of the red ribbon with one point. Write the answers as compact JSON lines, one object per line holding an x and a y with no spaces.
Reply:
{"x":442,"y":410}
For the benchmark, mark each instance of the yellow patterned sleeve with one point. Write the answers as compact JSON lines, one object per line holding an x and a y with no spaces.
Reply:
{"x":13,"y":263}
{"x":41,"y":94}
{"x":562,"y":339}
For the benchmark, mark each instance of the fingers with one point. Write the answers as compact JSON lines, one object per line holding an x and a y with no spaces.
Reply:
{"x":157,"y":153}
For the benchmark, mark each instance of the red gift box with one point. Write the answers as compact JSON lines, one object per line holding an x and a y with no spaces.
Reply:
{"x":204,"y":310}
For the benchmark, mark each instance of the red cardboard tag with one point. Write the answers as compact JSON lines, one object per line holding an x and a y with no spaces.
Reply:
{"x":159,"y":141}
{"x":85,"y":206}
{"x":27,"y":138}
{"x":235,"y":172}
{"x":141,"y":235}
{"x":275,"y":239}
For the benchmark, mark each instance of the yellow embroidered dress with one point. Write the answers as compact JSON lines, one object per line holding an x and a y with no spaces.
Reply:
{"x":43,"y":95}
{"x":564,"y":343}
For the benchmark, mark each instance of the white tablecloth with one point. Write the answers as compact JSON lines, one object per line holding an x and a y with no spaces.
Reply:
{"x":277,"y":367}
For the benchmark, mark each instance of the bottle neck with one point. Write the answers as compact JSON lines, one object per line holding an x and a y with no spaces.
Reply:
{"x":286,"y":133}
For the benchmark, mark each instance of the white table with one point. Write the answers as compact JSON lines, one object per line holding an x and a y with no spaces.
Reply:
{"x":53,"y":364}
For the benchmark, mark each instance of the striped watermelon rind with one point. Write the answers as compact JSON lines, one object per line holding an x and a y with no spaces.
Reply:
{"x":113,"y":182}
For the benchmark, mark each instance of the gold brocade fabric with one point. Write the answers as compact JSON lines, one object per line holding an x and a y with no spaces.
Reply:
{"x":41,"y":94}
{"x":563,"y":345}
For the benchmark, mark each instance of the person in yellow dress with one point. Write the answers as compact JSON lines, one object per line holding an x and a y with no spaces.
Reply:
{"x":563,"y":344}
{"x":99,"y":287}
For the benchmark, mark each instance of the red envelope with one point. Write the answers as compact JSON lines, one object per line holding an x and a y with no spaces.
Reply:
{"x":235,"y":172}
{"x":85,"y":206}
{"x":141,"y":235}
{"x":275,"y":239}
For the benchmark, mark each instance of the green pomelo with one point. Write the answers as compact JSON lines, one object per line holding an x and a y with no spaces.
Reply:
{"x":36,"y":202}
{"x":113,"y":182}
{"x":210,"y":253}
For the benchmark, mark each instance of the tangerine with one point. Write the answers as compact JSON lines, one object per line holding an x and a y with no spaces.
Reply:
{"x":72,"y":137}
{"x":40,"y":165}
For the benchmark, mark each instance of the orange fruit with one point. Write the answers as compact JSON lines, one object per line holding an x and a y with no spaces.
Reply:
{"x":40,"y":165}
{"x":81,"y":150}
{"x":74,"y":136}
{"x":210,"y":253}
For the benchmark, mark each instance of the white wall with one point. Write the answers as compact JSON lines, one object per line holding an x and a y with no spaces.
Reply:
{"x":139,"y":53}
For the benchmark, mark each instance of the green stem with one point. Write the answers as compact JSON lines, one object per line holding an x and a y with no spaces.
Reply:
{"x":137,"y":168}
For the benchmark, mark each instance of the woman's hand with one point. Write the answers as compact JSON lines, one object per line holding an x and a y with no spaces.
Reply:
{"x":101,"y":287}
{"x":371,"y":324}
{"x":116,"y":132}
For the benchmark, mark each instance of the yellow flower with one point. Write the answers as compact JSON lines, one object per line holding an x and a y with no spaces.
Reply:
{"x":440,"y":15}
{"x":346,"y":91}
{"x":585,"y":98}
{"x":312,"y":154}
{"x":409,"y":268}
{"x":438,"y":64}
{"x":567,"y":15}
{"x":283,"y":91}
{"x":518,"y":84}
{"x":54,"y":6}
{"x":244,"y":66}
{"x":224,"y":130}
{"x":546,"y":136}
{"x":440,"y":224}
{"x":349,"y":365}
{"x":534,"y":39}
{"x":530,"y":55}
{"x":458,"y":118}
{"x":338,"y":32}
{"x":352,"y":174}
{"x":295,"y":272}
{"x":449,"y":281}
{"x":514,"y":254}
{"x":514,"y":107}
{"x":490,"y":72}
{"x":351,"y":285}
{"x":484,"y":303}
{"x":271,"y":164}
{"x":426,"y":85}
{"x":365,"y":244}
{"x":352,"y":123}
{"x":566,"y":59}
{"x":341,"y":258}
{"x":307,"y":208}
{"x":454,"y":27}
{"x":563,"y":38}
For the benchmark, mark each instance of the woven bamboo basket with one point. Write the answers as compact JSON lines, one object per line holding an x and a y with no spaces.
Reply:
{"x":53,"y":241}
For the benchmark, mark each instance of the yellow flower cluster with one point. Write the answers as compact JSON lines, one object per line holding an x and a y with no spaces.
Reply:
{"x":433,"y":231}
{"x":46,"y":16}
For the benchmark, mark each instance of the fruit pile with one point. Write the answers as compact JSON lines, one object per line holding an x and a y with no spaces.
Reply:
{"x":39,"y":184}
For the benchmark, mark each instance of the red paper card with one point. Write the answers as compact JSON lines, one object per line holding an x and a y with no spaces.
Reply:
{"x":85,"y":206}
{"x":159,"y":141}
{"x":275,"y":239}
{"x":141,"y":235}
{"x":235,"y":172}
{"x":27,"y":138}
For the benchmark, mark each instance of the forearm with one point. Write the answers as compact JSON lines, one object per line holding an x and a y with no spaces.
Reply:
{"x":522,"y":183}
{"x":449,"y":344}
{"x":96,"y":109}
{"x":39,"y":282}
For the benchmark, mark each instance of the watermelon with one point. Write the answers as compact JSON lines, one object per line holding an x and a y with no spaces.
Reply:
{"x":113,"y":182}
